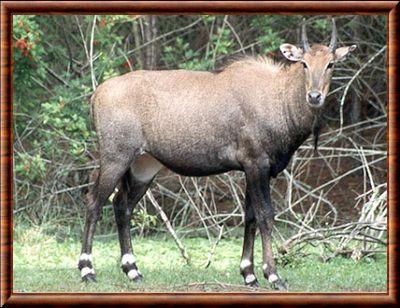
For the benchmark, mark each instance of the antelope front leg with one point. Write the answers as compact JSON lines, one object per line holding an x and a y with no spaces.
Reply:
{"x":257,"y":181}
{"x":247,"y":261}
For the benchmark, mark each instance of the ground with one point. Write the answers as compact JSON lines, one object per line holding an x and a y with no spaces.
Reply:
{"x":41,"y":264}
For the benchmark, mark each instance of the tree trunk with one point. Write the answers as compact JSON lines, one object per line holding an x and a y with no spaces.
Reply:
{"x":355,"y":113}
{"x":150,"y":30}
{"x":136,"y":38}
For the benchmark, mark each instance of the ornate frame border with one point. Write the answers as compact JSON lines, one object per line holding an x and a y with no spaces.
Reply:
{"x":9,"y":8}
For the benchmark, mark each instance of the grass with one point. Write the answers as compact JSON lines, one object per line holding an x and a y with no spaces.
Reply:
{"x":41,"y":264}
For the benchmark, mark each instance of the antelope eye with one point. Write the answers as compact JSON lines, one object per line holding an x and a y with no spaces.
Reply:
{"x":330,"y":65}
{"x":304,"y":64}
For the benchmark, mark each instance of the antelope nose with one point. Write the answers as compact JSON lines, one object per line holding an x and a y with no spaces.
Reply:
{"x":314,"y":97}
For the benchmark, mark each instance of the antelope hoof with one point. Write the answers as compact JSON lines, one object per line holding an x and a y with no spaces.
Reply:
{"x":138,"y":279}
{"x":89,"y":278}
{"x":253,"y":284}
{"x":280,"y":285}
{"x":251,"y":281}
{"x":135,"y":275}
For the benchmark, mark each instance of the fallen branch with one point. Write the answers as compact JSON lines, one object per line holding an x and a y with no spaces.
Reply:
{"x":212,"y":251}
{"x":169,"y":226}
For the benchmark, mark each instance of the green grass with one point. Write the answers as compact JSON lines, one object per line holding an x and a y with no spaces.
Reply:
{"x":41,"y":264}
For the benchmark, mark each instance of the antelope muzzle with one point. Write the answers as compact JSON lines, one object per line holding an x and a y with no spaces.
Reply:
{"x":315,"y":98}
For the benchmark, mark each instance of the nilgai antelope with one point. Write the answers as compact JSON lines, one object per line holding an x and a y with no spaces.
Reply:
{"x":251,"y":116}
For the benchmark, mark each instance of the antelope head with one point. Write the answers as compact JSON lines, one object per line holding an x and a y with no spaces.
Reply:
{"x":318,"y":62}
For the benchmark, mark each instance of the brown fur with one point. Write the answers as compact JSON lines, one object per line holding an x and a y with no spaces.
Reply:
{"x":187,"y":119}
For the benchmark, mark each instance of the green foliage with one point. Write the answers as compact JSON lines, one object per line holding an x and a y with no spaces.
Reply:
{"x":321,"y":24}
{"x":31,"y":167}
{"x":222,"y":42}
{"x":191,"y":59}
{"x":144,"y":220}
{"x":269,"y":40}
{"x":28,"y":55}
{"x":65,"y":119}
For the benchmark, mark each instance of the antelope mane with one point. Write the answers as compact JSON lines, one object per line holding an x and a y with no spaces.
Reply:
{"x":264,"y":61}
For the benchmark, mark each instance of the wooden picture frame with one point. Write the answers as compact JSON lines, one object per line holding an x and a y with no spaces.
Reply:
{"x":9,"y":8}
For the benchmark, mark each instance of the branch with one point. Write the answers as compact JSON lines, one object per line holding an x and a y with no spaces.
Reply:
{"x":351,"y":81}
{"x":94,"y":82}
{"x":212,"y":252}
{"x":169,"y":226}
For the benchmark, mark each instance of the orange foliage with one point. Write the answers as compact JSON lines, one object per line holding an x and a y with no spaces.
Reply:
{"x":22,"y":45}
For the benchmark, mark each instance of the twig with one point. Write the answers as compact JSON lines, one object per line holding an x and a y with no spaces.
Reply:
{"x":94,"y":82}
{"x":351,"y":81}
{"x":169,"y":226}
{"x":52,"y":73}
{"x":212,"y":251}
{"x":164,"y":35}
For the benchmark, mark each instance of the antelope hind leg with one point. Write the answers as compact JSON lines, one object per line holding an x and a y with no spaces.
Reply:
{"x":133,"y":186}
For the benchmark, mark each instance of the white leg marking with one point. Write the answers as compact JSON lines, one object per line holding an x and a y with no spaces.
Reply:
{"x":265,"y":266}
{"x":250,"y":278}
{"x":245,"y":263}
{"x":128,"y":258}
{"x":132,"y":274}
{"x":86,"y":257}
{"x":272,"y":278}
{"x":86,"y":270}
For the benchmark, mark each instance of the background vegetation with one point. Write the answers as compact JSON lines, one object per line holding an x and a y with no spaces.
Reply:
{"x":328,"y":205}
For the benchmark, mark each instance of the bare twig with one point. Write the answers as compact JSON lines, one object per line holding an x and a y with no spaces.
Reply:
{"x":212,"y":251}
{"x":94,"y":82}
{"x":171,"y":230}
{"x":366,"y":64}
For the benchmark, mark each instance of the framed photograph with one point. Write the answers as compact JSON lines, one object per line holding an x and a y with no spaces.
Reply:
{"x":210,"y":152}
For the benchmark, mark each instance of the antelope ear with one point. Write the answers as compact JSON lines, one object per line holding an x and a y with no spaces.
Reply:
{"x":342,"y":52}
{"x":291,"y":52}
